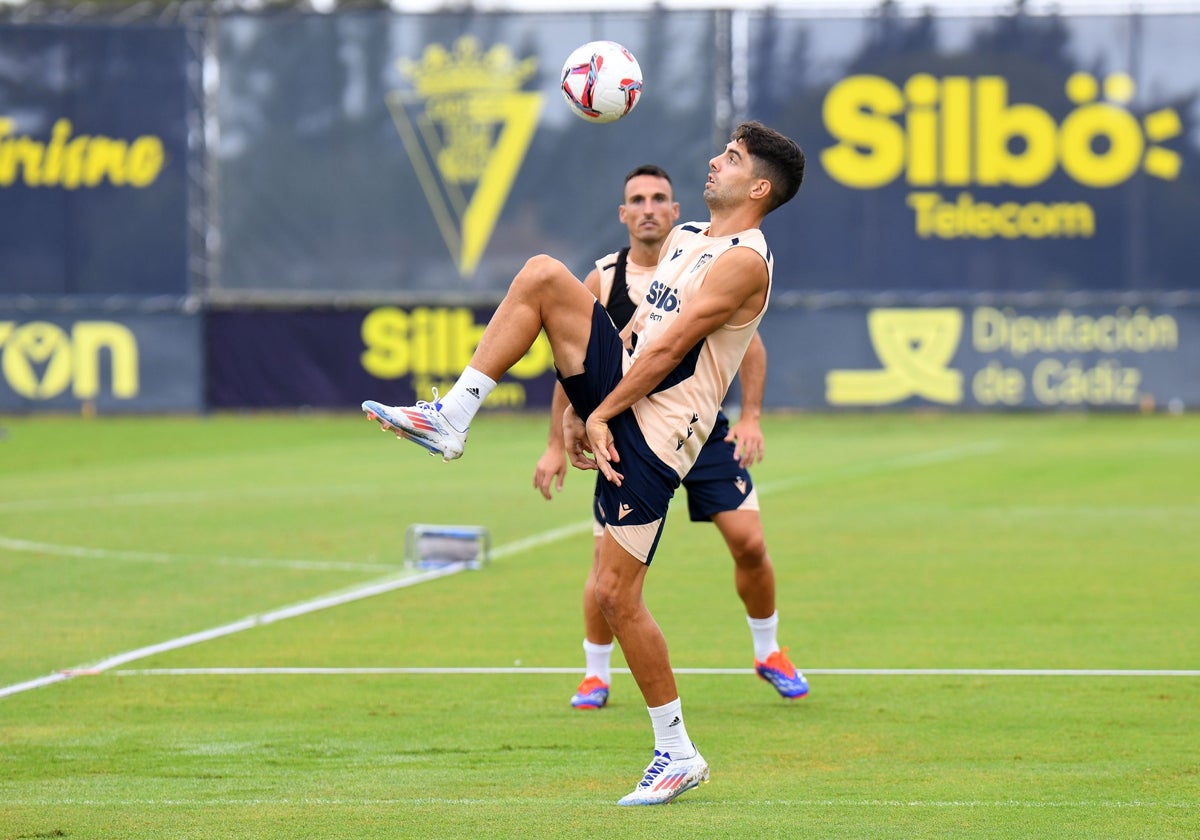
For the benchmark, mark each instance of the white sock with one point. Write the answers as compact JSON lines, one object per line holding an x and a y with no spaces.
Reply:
{"x":459,"y":406}
{"x":763,"y":631}
{"x":670,"y":735}
{"x":599,"y":658}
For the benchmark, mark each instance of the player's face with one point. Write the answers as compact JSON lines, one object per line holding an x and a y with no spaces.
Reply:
{"x":730,"y":177}
{"x":650,"y":209}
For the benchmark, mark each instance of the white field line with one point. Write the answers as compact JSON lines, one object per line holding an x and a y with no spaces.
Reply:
{"x":83,"y":552}
{"x":741,"y":672}
{"x":185,"y":497}
{"x":335,"y":599}
{"x":392,"y":583}
{"x":725,"y":803}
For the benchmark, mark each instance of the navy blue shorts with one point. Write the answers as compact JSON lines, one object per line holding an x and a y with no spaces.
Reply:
{"x":640,"y":504}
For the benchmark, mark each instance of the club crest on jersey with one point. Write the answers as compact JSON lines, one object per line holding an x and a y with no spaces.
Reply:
{"x":704,"y":258}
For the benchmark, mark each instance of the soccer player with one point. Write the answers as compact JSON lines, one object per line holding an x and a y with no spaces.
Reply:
{"x":642,"y":416}
{"x":719,"y":487}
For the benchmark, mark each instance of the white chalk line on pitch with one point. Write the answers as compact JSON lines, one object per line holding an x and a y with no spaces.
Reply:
{"x":83,"y":552}
{"x":500,"y":801}
{"x":335,"y":599}
{"x":176,"y":497}
{"x":741,"y":672}
{"x":392,"y":583}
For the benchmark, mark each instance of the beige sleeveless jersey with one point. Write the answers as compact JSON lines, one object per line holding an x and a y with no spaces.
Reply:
{"x":677,"y":417}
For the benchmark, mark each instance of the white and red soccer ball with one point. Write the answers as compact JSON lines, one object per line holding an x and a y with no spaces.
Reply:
{"x":601,"y":81}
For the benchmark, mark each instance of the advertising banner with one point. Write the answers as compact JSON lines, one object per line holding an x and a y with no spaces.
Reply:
{"x":387,"y":155}
{"x":1043,"y":155}
{"x":93,"y":160}
{"x":335,"y":358}
{"x":1087,"y":357}
{"x":100,"y":361}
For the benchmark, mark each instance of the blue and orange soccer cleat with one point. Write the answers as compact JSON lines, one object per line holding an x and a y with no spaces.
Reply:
{"x":666,"y":778}
{"x":422,"y":423}
{"x":591,"y":694}
{"x":781,"y":673}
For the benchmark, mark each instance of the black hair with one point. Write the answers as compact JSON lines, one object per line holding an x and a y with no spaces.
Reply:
{"x":777,"y":158}
{"x":648,"y":169}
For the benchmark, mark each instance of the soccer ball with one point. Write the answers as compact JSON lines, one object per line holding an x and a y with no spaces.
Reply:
{"x":601,"y":81}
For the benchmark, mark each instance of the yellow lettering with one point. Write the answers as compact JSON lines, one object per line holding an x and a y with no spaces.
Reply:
{"x":995,"y":384}
{"x":956,"y":131}
{"x":92,"y":338}
{"x":146,"y":159}
{"x":40,"y":360}
{"x":997,"y":124}
{"x":922,"y":123}
{"x":870,"y":149}
{"x":1124,"y":144}
{"x":1072,"y":384}
{"x":71,"y":161}
{"x":959,"y":131}
{"x":385,"y":334}
{"x":33,"y":346}
{"x":994,"y":330}
{"x":966,"y":218}
{"x":434,"y":342}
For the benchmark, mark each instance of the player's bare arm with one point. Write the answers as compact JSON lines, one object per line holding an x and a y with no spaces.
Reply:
{"x":551,"y":469}
{"x":746,"y":434}
{"x":733,"y":294}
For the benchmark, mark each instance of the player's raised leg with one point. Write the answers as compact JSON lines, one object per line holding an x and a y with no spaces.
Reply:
{"x":543,"y":295}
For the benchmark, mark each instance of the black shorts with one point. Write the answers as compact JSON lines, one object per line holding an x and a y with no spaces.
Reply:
{"x":637,"y":510}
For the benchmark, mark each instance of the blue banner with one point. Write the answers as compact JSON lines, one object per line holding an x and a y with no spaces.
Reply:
{"x":336,"y":358}
{"x":969,"y":156}
{"x":93,"y":160}
{"x":1087,"y":357}
{"x":96,"y":360}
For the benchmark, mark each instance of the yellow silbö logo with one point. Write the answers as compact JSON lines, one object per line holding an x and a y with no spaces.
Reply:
{"x":466,"y":126}
{"x":959,"y":132}
{"x":914,"y":347}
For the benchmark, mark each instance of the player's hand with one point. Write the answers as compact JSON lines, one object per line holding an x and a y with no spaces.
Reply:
{"x":575,"y":441}
{"x":551,"y":471}
{"x":603,"y":449}
{"x":747,"y":437}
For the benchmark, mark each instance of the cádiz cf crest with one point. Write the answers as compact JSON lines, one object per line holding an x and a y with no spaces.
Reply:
{"x":466,"y":126}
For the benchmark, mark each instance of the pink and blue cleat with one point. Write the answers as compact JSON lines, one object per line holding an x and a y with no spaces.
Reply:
{"x":591,"y":694}
{"x":781,"y":673}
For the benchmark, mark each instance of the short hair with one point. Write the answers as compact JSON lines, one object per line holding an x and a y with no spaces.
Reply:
{"x":648,"y":169}
{"x":777,"y":158}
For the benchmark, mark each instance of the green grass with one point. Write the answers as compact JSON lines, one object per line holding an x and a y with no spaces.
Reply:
{"x":900,"y":542}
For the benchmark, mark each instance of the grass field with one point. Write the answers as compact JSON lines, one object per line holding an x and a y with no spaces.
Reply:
{"x":999,"y":617}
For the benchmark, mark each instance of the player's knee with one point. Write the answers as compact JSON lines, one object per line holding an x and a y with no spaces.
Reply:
{"x":610,"y":597}
{"x":540,"y":270}
{"x":749,"y":551}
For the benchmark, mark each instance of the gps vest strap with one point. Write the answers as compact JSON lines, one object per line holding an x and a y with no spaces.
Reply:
{"x":620,"y":307}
